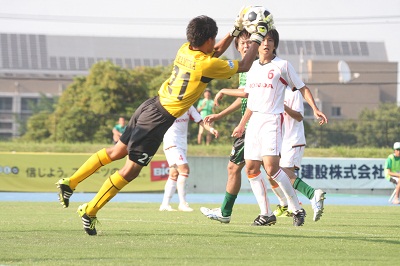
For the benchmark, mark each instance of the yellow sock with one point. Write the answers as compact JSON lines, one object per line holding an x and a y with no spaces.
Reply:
{"x":95,"y":161}
{"x":110,"y":188}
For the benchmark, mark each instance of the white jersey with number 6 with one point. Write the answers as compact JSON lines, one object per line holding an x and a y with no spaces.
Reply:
{"x":266,"y":84}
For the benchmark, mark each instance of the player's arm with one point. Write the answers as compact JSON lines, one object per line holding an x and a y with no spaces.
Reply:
{"x":230,"y":109}
{"x":222,"y":45}
{"x":307,"y":95}
{"x":239,"y":130}
{"x":248,"y":58}
{"x":230,"y":92}
{"x":209,"y":128}
{"x":294,"y":114}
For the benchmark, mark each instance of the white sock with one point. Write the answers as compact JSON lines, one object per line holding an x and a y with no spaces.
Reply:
{"x":280,"y":195}
{"x":284,"y":183}
{"x":169,"y":191}
{"x":258,"y":185}
{"x":181,"y":185}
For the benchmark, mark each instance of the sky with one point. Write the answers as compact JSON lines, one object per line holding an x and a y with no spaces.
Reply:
{"x":342,"y":20}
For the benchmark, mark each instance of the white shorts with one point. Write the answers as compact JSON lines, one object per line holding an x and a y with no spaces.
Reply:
{"x":175,"y":156}
{"x":263,"y":136}
{"x":292,"y":156}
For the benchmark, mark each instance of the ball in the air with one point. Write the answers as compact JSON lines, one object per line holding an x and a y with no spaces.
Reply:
{"x":252,"y":16}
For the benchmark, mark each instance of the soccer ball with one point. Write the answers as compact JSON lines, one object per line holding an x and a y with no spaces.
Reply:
{"x":252,"y":15}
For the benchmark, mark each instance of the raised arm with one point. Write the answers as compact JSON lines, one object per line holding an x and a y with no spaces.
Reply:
{"x":222,"y":45}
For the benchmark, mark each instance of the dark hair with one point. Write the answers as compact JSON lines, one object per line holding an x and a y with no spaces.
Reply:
{"x":274,"y":34}
{"x":243,"y":34}
{"x":200,"y":29}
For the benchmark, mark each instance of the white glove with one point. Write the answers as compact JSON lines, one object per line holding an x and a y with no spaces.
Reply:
{"x":238,"y":26}
{"x":263,"y":26}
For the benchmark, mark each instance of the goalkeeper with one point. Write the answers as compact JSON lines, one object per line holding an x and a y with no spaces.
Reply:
{"x":195,"y":65}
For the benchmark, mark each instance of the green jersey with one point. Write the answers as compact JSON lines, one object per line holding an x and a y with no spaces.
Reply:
{"x":242,"y":85}
{"x":392,"y":163}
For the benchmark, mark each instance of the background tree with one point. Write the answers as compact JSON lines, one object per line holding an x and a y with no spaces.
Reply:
{"x":37,"y":127}
{"x":90,"y":106}
{"x":379,"y":127}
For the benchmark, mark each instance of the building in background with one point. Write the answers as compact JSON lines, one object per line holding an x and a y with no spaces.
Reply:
{"x":344,"y":76}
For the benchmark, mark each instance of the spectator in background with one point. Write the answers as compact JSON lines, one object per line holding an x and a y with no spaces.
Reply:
{"x":392,"y":170}
{"x":118,"y":129}
{"x":205,"y":107}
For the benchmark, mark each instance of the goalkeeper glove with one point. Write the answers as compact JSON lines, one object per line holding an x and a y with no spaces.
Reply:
{"x":238,"y":26}
{"x":263,"y":26}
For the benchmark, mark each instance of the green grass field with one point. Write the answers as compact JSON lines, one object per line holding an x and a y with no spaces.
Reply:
{"x":43,"y":233}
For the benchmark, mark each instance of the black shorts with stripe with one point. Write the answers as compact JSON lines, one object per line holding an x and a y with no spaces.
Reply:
{"x":145,"y":131}
{"x":237,"y":153}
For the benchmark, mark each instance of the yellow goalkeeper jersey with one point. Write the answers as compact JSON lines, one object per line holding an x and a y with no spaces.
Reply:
{"x":192,"y":71}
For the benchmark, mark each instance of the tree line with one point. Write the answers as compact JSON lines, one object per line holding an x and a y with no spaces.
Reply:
{"x":89,"y":108}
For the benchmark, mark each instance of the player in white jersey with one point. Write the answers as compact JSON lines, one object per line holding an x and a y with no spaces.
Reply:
{"x":265,"y":88}
{"x":294,"y":142}
{"x":175,"y":149}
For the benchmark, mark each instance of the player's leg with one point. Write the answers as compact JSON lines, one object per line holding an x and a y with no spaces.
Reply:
{"x":151,"y":123}
{"x":290,"y":161}
{"x":169,"y":189}
{"x":183,"y":170}
{"x":223,"y":214}
{"x":172,"y":157}
{"x":235,"y":166}
{"x":282,"y":207}
{"x":259,"y":188}
{"x":293,"y":202}
{"x":109,"y":189}
{"x":66,"y":186}
{"x":232,"y":188}
{"x":255,"y":143}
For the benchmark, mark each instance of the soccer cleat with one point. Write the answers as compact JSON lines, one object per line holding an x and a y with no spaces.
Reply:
{"x":317,"y":204}
{"x":263,"y":220}
{"x":89,"y":223}
{"x":64,"y":191}
{"x":184,"y":207}
{"x":167,"y":208}
{"x":215,"y":214}
{"x":281,"y":210}
{"x":298,"y":217}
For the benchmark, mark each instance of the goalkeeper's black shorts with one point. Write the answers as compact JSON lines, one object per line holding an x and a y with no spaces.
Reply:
{"x":237,"y":153}
{"x":145,"y":131}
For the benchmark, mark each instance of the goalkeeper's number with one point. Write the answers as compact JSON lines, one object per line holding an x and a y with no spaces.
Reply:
{"x":185,"y":77}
